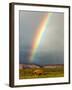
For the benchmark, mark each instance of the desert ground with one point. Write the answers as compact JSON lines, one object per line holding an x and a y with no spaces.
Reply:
{"x":42,"y":72}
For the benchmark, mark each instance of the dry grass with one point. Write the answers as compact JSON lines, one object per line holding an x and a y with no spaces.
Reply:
{"x":48,"y":72}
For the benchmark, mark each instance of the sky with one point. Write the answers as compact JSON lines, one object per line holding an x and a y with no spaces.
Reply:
{"x":41,"y":37}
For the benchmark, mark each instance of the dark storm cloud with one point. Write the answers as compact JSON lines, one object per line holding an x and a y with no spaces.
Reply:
{"x":51,"y":51}
{"x":29,"y":21}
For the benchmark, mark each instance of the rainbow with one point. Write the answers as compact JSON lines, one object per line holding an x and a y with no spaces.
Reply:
{"x":38,"y":35}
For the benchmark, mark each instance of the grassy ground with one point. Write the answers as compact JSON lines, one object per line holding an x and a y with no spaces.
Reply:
{"x":50,"y":72}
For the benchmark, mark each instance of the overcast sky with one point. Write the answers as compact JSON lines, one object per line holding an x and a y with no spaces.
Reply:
{"x":51,"y":49}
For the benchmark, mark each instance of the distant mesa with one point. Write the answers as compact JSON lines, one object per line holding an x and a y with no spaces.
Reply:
{"x":22,"y":66}
{"x":53,"y":65}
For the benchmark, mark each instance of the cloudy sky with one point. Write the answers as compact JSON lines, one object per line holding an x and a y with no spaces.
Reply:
{"x":51,"y":48}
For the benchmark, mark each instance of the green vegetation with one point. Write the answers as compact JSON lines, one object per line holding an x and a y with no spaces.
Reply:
{"x":47,"y":73}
